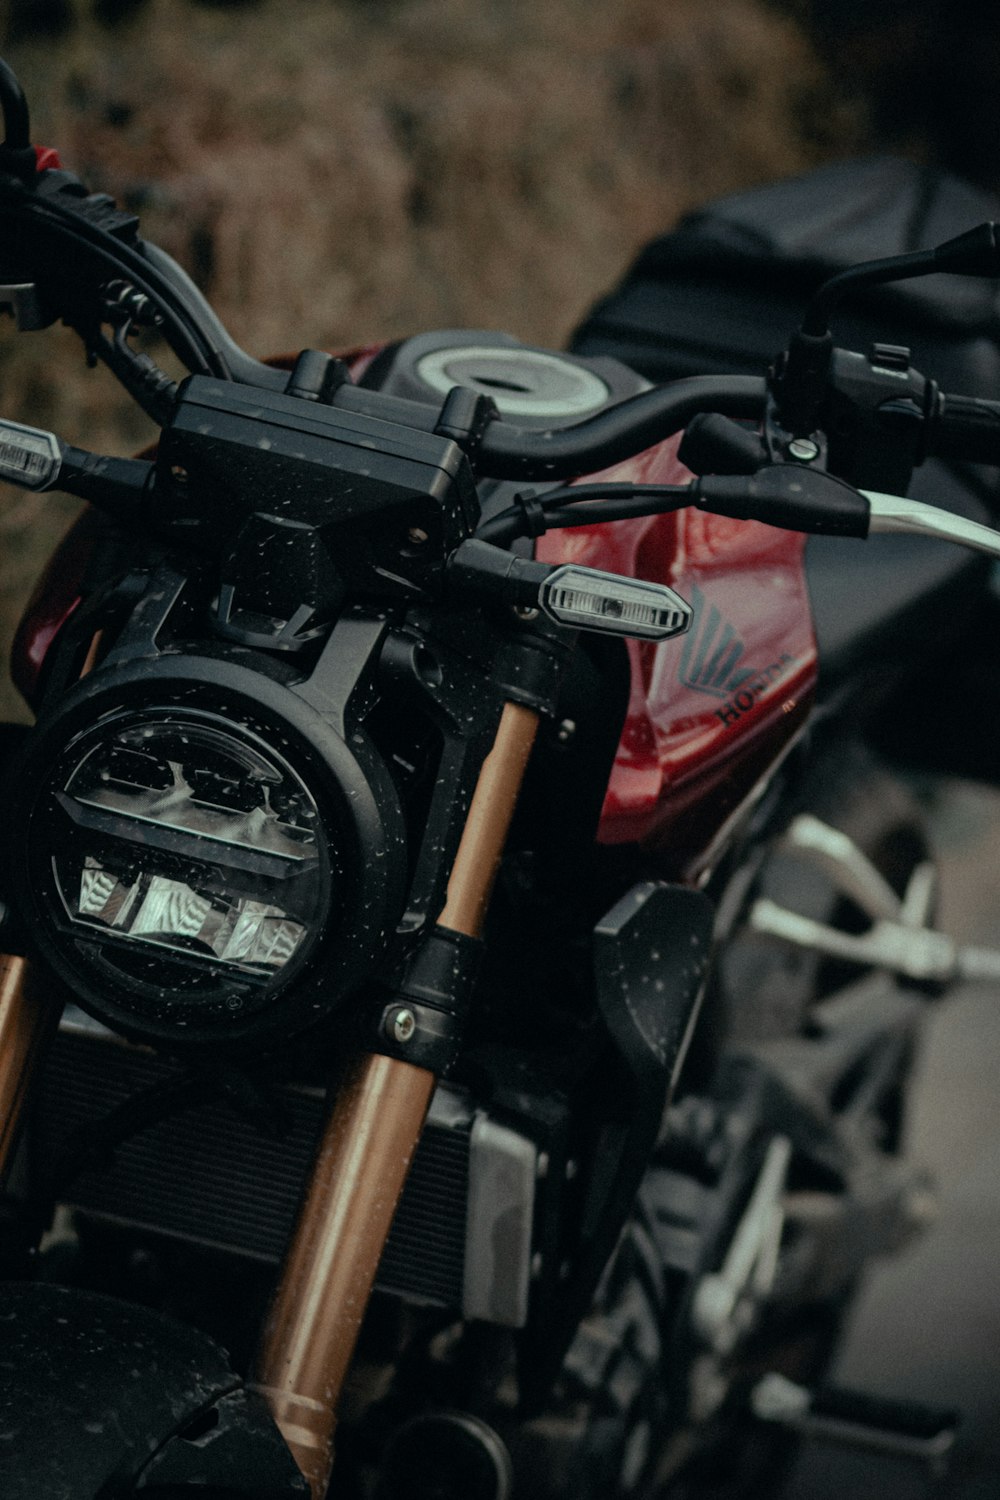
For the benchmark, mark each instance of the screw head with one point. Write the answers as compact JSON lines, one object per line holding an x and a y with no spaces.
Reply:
{"x":417,"y":536}
{"x":804,"y":449}
{"x":400,"y":1024}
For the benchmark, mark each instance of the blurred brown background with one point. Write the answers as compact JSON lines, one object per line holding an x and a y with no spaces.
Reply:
{"x":340,"y":171}
{"x":335,"y":172}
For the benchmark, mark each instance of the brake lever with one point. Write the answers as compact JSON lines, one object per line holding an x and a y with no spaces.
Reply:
{"x":895,"y":514}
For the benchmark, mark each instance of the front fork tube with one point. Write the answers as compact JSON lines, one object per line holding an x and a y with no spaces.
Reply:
{"x":364,"y":1157}
{"x":28,"y":1019}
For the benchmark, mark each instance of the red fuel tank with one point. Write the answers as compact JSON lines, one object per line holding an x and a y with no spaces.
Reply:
{"x":713,"y":711}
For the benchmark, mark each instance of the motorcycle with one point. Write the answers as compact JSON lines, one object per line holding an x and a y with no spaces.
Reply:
{"x":460,"y":956}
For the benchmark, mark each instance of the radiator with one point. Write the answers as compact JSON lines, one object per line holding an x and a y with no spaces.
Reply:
{"x":463,"y":1232}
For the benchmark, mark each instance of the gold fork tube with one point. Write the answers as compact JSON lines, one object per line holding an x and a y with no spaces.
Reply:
{"x":363,"y":1159}
{"x":27,"y":1020}
{"x":316,"y":1317}
{"x":488,"y":820}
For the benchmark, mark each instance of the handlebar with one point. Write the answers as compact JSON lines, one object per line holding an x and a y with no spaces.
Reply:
{"x":106,"y":245}
{"x":508,"y":452}
{"x":880,"y":419}
{"x":51,"y":215}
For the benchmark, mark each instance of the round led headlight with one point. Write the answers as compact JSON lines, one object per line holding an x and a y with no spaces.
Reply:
{"x":201,"y":862}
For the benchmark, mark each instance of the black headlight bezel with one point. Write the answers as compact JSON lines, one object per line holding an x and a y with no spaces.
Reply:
{"x":345,"y":776}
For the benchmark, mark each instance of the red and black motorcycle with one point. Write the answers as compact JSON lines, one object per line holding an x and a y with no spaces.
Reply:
{"x":462,"y":954}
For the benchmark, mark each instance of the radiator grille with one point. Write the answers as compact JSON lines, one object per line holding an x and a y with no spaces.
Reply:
{"x":206,"y":1176}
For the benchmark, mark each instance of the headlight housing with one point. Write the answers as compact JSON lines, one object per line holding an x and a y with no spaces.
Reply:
{"x":202,"y":857}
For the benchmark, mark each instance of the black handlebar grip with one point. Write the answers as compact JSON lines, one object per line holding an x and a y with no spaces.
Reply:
{"x":967,"y":428}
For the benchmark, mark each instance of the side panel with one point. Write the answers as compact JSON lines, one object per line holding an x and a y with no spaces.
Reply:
{"x":711,"y":712}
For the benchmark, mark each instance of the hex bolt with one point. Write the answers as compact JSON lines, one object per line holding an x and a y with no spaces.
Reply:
{"x":804,"y":449}
{"x":399,"y":1025}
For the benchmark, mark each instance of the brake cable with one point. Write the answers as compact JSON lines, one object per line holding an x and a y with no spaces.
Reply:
{"x":583,"y":505}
